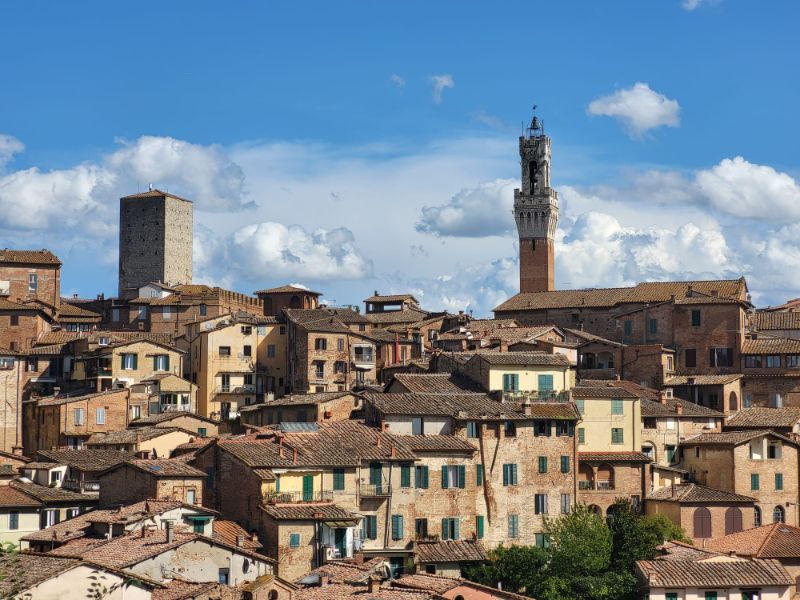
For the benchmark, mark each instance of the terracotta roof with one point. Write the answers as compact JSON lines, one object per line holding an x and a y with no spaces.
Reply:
{"x":168,"y":416}
{"x":436,"y":443}
{"x":765,"y":321}
{"x":765,"y":418}
{"x":287,"y":289}
{"x":613,"y":457}
{"x":316,"y":320}
{"x":732,"y":438}
{"x":228,"y":532}
{"x":377,"y":298}
{"x":340,"y":571}
{"x":777,"y":540}
{"x":450,"y":551}
{"x":6,"y":304}
{"x":464,"y":406}
{"x":9,"y":496}
{"x":20,"y":572}
{"x":656,"y":291}
{"x":654,"y":408}
{"x":70,"y":310}
{"x":178,"y":589}
{"x":129,"y":436}
{"x":47,"y":494}
{"x":338,"y":591}
{"x":432,"y":383}
{"x":602,"y":391}
{"x":408,"y":315}
{"x":154,"y":193}
{"x":163,"y":468}
{"x":308,"y":512}
{"x":679,"y":380}
{"x":675,"y":550}
{"x":441,"y":584}
{"x":713,"y":574}
{"x":770,"y":345}
{"x":87,"y":459}
{"x":29,"y":257}
{"x":60,"y":400}
{"x":299,"y":400}
{"x":522,"y":358}
{"x":587,"y":338}
{"x":693,"y":493}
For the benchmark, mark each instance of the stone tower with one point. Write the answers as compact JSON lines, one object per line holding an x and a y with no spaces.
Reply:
{"x":155,"y":240}
{"x":536,"y":212}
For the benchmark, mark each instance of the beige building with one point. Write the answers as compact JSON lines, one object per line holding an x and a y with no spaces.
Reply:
{"x":236,"y":361}
{"x":145,"y":442}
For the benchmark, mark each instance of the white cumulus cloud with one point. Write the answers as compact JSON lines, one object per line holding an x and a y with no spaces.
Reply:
{"x":9,"y":146}
{"x":440,"y":83}
{"x":638,"y":108}
{"x":473,"y":212}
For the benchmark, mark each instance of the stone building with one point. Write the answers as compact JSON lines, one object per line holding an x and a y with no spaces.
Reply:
{"x":770,"y":367}
{"x":161,"y":479}
{"x":22,"y":324}
{"x":11,"y":395}
{"x":761,"y":464}
{"x":31,"y":275}
{"x":303,"y":408}
{"x":146,"y":442}
{"x":393,"y":309}
{"x":275,"y":300}
{"x":536,"y":212}
{"x":155,"y":240}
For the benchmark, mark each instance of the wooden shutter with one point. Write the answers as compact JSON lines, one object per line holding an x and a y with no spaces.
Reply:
{"x":445,"y":478}
{"x":479,"y":475}
{"x":733,"y":520}
{"x":702,"y":523}
{"x":462,"y":476}
{"x":506,"y":474}
{"x":445,"y":528}
{"x":405,"y":476}
{"x":456,"y":528}
{"x":479,"y":527}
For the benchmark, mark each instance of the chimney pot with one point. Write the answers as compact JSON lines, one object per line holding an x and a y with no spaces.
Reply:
{"x":732,"y":553}
{"x":393,"y":452}
{"x":280,"y":451}
{"x":662,"y":397}
{"x":378,"y":440}
{"x":170,"y":532}
{"x":679,"y":408}
{"x":374,"y":584}
{"x":616,"y":377}
{"x":239,"y":541}
{"x":294,"y":455}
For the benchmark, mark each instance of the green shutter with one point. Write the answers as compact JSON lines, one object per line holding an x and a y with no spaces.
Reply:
{"x":121,"y":361}
{"x":425,"y":477}
{"x":338,"y":479}
{"x":462,"y":476}
{"x":445,"y":479}
{"x":565,"y":464}
{"x":479,"y":475}
{"x":445,"y":535}
{"x":456,"y":529}
{"x":135,"y":361}
{"x":581,"y":435}
{"x":545,"y":383}
{"x":397,"y":527}
{"x":405,"y":476}
{"x":754,"y":481}
{"x":506,"y":474}
{"x":375,"y":474}
{"x":294,"y":540}
{"x":617,"y":408}
{"x":542,"y":464}
{"x":778,"y":481}
{"x":308,"y":488}
{"x":479,"y":527}
{"x":515,"y":381}
{"x":372,"y":527}
{"x":581,"y":405}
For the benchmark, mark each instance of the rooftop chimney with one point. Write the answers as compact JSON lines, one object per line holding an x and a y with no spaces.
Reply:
{"x":239,"y":541}
{"x":280,"y":452}
{"x":170,"y":532}
{"x":378,"y":440}
{"x":662,"y":397}
{"x":732,"y":553}
{"x":679,"y":408}
{"x":393,"y":452}
{"x":294,"y":456}
{"x":373,"y":584}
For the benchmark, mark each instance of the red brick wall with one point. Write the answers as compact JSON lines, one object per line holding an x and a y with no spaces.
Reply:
{"x":49,"y":282}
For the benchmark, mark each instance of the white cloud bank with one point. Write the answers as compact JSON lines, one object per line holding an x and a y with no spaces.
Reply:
{"x":638,"y":108}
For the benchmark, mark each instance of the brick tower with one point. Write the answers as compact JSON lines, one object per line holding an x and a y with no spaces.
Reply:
{"x":536,"y":212}
{"x":155,"y":240}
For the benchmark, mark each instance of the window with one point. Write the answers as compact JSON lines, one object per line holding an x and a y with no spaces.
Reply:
{"x":339,"y":367}
{"x":142,"y":313}
{"x":542,"y":540}
{"x":421,"y":477}
{"x":751,"y":594}
{"x":510,"y":429}
{"x":733,"y":520}
{"x":792,"y":360}
{"x":479,"y":527}
{"x":541,"y":428}
{"x":540,"y":504}
{"x":55,"y":476}
{"x":450,"y":528}
{"x":617,"y":407}
{"x":565,"y":464}
{"x":166,"y":313}
{"x":270,"y":350}
{"x":671,"y":596}
{"x":702,"y":522}
{"x":650,"y":423}
{"x":778,"y":515}
{"x":247,"y":350}
{"x":653,"y":326}
{"x":711,"y":596}
{"x":340,"y":344}
{"x":510,"y":474}
{"x":755,"y":484}
{"x":478,"y":474}
{"x":628,"y":327}
{"x":136,"y":412}
{"x":405,"y":476}
{"x":565,"y":428}
{"x":203,"y":310}
{"x":161,"y":362}
{"x":282,"y":330}
{"x":581,"y":435}
{"x":421,"y":528}
{"x":752,"y":362}
{"x":756,"y":517}
{"x":100,"y":416}
{"x":33,"y":282}
{"x":581,"y":404}
{"x":513,"y":526}
{"x":417,"y":426}
{"x":13,"y":520}
{"x":773,"y":361}
{"x":690,"y":357}
{"x":565,"y":504}
{"x":198,"y":526}
{"x":695,"y":318}
{"x":320,"y":344}
{"x":453,"y":476}
{"x":397,"y":527}
{"x":338,"y":480}
{"x":670,"y":364}
{"x":542,"y":464}
{"x":224,"y":575}
{"x":371,"y":527}
{"x":472,"y":429}
{"x":14,"y":320}
{"x":319,"y":369}
{"x":510,"y":382}
{"x":545,"y":383}
{"x":202,"y":431}
{"x":32,"y":363}
{"x":115,"y":314}
{"x":48,"y":518}
{"x":617,"y":435}
{"x":191,"y":496}
{"x":670,"y":453}
{"x":721,"y":357}
{"x":79,"y":416}
{"x":778,"y":481}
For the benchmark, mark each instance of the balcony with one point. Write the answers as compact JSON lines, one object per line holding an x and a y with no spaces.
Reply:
{"x":299,"y":497}
{"x":86,"y":487}
{"x":601,"y":485}
{"x":175,"y":408}
{"x":235,"y":389}
{"x":536,"y":396}
{"x":375,"y":490}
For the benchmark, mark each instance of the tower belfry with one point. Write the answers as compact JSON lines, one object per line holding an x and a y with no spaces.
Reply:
{"x":536,"y":211}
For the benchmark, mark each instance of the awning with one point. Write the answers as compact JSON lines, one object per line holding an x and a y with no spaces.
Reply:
{"x":341,"y":523}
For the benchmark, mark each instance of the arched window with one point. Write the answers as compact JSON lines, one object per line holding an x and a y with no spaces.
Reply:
{"x":779,"y":515}
{"x":273,"y":595}
{"x":294,"y":302}
{"x":702,"y":523}
{"x":756,"y":516}
{"x":733,"y":402}
{"x":733,"y":520}
{"x":596,"y":510}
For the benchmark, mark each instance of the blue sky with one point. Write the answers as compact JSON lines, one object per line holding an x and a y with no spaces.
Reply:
{"x":313,"y":141}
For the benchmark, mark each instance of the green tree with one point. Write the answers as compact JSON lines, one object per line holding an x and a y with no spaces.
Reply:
{"x":518,"y":568}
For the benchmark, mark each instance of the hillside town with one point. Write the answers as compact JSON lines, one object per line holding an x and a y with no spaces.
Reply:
{"x":180,"y":440}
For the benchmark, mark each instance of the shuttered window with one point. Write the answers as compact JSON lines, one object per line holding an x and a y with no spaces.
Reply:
{"x":338,"y":479}
{"x":479,"y":475}
{"x":617,"y":436}
{"x":397,"y":527}
{"x":702,"y":523}
{"x":755,"y":482}
{"x":371,"y":527}
{"x":565,"y":464}
{"x":510,"y":474}
{"x":733,"y":520}
{"x":513,"y":526}
{"x":542,"y":464}
{"x":405,"y":476}
{"x":545,"y":383}
{"x":778,"y":481}
{"x":479,"y":527}
{"x":421,"y":477}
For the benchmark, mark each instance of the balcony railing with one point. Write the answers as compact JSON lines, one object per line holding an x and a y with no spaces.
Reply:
{"x":235,"y":389}
{"x":536,"y":396}
{"x":603,"y":485}
{"x":175,"y":408}
{"x":375,"y":490}
{"x":585,"y":485}
{"x":76,"y":486}
{"x":299,"y":497}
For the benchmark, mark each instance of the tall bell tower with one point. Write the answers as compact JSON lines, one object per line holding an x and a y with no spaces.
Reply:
{"x":536,"y":212}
